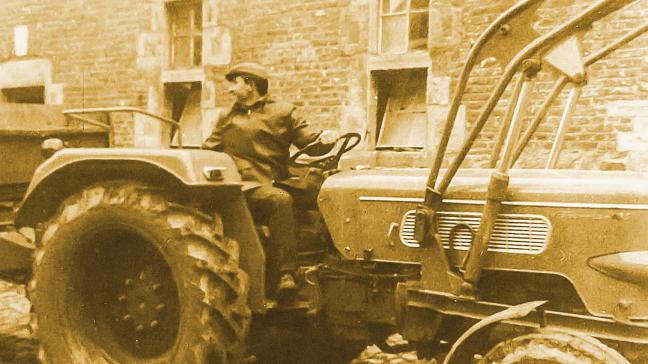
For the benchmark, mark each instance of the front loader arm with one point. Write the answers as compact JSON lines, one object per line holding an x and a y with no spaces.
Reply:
{"x":516,"y":22}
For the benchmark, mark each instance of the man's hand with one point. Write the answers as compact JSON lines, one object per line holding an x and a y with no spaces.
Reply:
{"x":328,"y":137}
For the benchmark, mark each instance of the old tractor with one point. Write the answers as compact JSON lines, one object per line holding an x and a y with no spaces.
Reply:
{"x":152,"y":256}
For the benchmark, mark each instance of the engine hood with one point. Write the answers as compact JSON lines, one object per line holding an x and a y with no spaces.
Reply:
{"x":532,"y":185}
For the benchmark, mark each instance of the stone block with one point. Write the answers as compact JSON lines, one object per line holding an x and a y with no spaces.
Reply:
{"x":640,"y":126}
{"x":217,"y":46}
{"x":148,"y":44}
{"x":627,"y":108}
{"x":158,"y":21}
{"x":54,"y":94}
{"x":210,"y":13}
{"x":25,"y":73}
{"x":208,"y":94}
{"x":635,"y":140}
{"x":148,"y":63}
{"x":147,"y":132}
{"x":438,"y":90}
{"x":637,"y":161}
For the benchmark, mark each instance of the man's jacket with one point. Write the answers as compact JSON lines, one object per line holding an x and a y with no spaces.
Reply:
{"x":258,"y":138}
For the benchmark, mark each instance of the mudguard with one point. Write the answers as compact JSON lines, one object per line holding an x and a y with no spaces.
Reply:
{"x":69,"y":169}
{"x":456,"y":356}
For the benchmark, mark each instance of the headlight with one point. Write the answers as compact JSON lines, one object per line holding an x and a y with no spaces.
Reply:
{"x":626,"y":266}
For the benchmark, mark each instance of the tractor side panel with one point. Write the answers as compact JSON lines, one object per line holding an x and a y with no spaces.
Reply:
{"x":553,"y":223}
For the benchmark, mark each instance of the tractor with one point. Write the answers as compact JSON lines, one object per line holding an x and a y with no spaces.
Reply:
{"x":152,"y":255}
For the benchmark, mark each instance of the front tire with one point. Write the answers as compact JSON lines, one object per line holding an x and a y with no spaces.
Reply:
{"x":553,"y":347}
{"x":124,"y":275}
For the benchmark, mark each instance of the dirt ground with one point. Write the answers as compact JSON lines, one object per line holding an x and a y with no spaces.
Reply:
{"x":17,"y":344}
{"x":274,"y":341}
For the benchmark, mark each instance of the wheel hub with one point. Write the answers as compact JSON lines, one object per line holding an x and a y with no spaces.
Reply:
{"x":134,"y":294}
{"x":142,"y":306}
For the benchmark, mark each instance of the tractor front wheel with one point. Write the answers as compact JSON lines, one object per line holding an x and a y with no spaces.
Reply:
{"x":553,"y":347}
{"x":123,"y":275}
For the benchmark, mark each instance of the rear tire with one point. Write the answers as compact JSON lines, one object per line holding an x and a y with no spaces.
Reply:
{"x":123,"y":275}
{"x":553,"y":347}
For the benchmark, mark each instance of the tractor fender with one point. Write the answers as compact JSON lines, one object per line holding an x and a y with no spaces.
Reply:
{"x":183,"y":171}
{"x":456,"y":356}
{"x":68,"y":170}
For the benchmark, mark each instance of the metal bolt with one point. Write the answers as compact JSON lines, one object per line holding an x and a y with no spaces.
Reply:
{"x":347,"y":248}
{"x":347,"y":220}
{"x":128,"y":282}
{"x":127,"y":317}
{"x":154,"y":323}
{"x":142,"y":276}
{"x":160,"y":307}
{"x":156,"y":287}
{"x":368,"y":254}
{"x":121,"y":298}
{"x":139,"y":328}
{"x":142,"y":306}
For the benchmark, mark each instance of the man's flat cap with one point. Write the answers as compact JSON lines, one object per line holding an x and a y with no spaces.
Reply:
{"x":247,"y":68}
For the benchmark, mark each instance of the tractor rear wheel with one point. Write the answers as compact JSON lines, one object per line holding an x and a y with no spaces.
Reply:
{"x":552,"y":347}
{"x":123,"y":275}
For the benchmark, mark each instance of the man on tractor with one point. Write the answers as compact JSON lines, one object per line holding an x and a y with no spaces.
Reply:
{"x":257,"y":132}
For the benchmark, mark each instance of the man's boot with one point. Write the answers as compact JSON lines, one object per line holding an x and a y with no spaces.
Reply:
{"x":287,"y":290}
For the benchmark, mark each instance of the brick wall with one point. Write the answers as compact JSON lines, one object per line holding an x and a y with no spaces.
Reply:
{"x":315,"y":51}
{"x":613,"y":84}
{"x":91,"y":44}
{"x":111,"y":52}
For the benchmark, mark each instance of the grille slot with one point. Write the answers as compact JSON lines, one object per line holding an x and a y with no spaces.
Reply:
{"x":513,"y":233}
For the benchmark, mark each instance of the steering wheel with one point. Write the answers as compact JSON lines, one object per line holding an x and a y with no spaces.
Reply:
{"x":348,"y":141}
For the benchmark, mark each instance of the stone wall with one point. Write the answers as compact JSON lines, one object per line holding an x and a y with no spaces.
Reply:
{"x":320,"y":56}
{"x":315,"y":51}
{"x":611,"y":103}
{"x":92,"y":48}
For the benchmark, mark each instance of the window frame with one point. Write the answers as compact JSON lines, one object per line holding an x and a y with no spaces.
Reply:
{"x":195,"y":32}
{"x":383,"y":114}
{"x":407,"y":12}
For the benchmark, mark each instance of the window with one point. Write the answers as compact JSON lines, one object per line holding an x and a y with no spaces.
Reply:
{"x":401,"y":109}
{"x":24,"y":95}
{"x":183,"y":100}
{"x":185,"y":27}
{"x":403,"y":25}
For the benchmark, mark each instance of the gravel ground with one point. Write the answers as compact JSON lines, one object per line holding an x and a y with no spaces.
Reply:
{"x":17,"y":344}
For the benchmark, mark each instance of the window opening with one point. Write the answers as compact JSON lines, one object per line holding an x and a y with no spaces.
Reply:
{"x":401,"y":108}
{"x":403,"y":25}
{"x":185,"y":26}
{"x":24,"y":95}
{"x":184,"y":101}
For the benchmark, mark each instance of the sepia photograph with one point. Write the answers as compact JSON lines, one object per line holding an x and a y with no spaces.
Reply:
{"x":323,"y":181}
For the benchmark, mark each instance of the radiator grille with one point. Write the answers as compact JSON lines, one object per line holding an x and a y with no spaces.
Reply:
{"x":513,"y":233}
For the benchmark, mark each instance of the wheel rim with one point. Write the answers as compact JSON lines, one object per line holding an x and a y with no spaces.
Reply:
{"x":131,"y":293}
{"x":553,"y":347}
